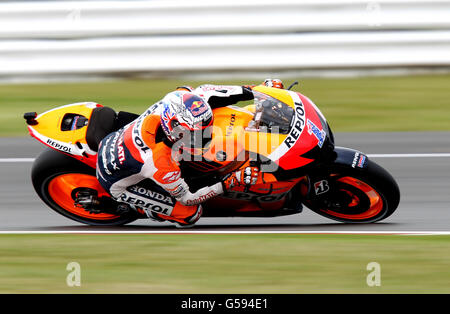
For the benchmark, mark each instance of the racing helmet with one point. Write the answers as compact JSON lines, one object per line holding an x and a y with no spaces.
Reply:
{"x":187,"y":119}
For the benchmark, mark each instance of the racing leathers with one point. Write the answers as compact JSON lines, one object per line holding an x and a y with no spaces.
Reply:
{"x":140,"y":151}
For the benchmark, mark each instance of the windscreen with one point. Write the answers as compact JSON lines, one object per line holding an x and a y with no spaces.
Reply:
{"x":271,"y":115}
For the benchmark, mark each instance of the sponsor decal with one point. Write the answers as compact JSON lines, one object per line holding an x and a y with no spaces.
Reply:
{"x":198,"y":107}
{"x":194,"y":104}
{"x":178,"y":191}
{"x":201,"y":198}
{"x":59,"y":146}
{"x":151,"y":195}
{"x":252,"y":197}
{"x":120,"y":150}
{"x":359,"y":160}
{"x":104,"y":159}
{"x":171,"y":177}
{"x":321,"y":187}
{"x":137,"y":138}
{"x":355,"y":159}
{"x":362,"y":160}
{"x":298,"y":125}
{"x":139,"y":142}
{"x":112,"y":152}
{"x":318,"y":133}
{"x":231,"y":125}
{"x":147,"y":205}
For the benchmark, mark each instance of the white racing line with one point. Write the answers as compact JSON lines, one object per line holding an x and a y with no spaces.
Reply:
{"x":13,"y":160}
{"x":189,"y":231}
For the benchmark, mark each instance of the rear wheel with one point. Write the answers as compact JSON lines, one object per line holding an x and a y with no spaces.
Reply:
{"x":355,"y":195}
{"x":57,"y":178}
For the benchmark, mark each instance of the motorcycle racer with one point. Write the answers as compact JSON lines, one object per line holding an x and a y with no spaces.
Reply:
{"x":148,"y":147}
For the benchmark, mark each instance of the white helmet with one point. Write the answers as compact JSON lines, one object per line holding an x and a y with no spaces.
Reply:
{"x":186,"y":113}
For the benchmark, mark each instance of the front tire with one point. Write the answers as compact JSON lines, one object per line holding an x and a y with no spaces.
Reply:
{"x":55,"y":177}
{"x":357,"y":195}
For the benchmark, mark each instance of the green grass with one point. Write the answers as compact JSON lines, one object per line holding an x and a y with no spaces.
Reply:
{"x":258,"y":263}
{"x":410,"y":103}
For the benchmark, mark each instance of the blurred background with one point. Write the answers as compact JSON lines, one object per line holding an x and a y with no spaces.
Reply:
{"x":62,"y":40}
{"x":369,"y":65}
{"x":378,"y":70}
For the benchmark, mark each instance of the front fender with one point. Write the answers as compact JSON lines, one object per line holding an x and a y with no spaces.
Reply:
{"x":348,"y":157}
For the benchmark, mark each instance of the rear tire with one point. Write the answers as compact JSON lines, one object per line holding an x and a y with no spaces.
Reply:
{"x":357,"y":195}
{"x":55,"y":177}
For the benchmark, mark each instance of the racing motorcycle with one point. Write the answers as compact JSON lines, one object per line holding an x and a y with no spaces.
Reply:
{"x":282,"y":132}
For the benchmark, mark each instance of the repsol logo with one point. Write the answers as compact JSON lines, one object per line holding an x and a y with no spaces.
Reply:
{"x":231,"y":125}
{"x":137,"y":134}
{"x":298,"y":126}
{"x":140,"y":143}
{"x":251,"y":197}
{"x":58,"y":146}
{"x":155,"y":207}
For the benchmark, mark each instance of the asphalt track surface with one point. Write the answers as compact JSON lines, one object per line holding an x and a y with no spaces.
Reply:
{"x":424,"y":184}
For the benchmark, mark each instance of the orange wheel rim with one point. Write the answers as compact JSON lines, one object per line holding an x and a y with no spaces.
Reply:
{"x":376,"y":201}
{"x":60,"y":189}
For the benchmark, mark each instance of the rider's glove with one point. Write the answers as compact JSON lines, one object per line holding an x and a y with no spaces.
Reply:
{"x":244,"y":177}
{"x":276,"y":83}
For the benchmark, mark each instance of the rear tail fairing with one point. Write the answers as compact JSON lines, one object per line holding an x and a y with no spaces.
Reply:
{"x":64,"y":129}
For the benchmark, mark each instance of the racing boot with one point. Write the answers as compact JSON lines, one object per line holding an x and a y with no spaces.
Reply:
{"x":184,"y":216}
{"x":189,"y":222}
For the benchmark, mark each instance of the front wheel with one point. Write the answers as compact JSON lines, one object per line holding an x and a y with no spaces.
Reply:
{"x":56,"y":178}
{"x":354,"y":195}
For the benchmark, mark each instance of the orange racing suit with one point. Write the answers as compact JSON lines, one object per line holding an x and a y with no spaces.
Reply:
{"x":138,"y":151}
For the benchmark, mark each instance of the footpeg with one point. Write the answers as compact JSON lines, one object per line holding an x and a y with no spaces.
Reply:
{"x":122,"y":208}
{"x":88,"y":200}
